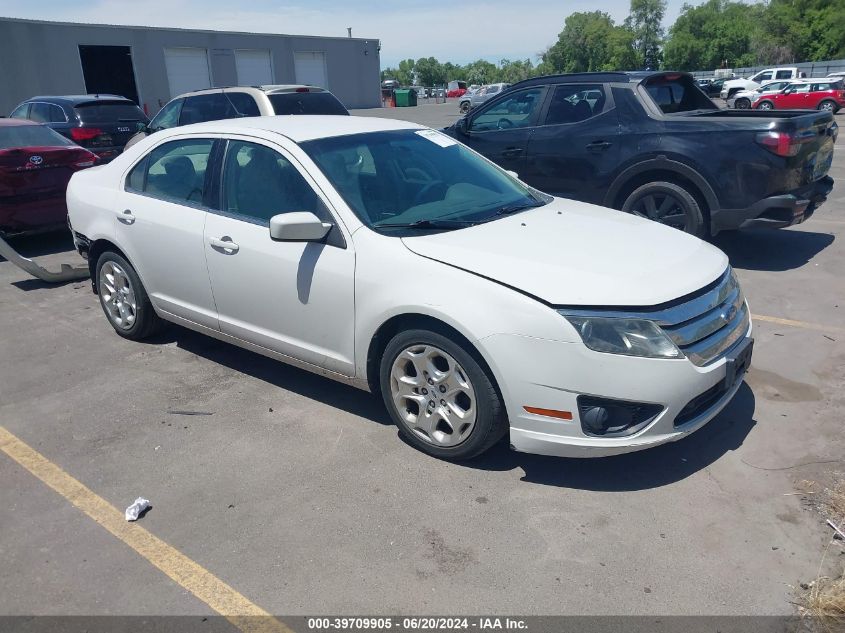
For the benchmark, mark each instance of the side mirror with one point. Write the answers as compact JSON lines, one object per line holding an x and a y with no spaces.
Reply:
{"x":461,"y":126}
{"x":142,"y":127}
{"x":513,"y":173}
{"x":298,"y":226}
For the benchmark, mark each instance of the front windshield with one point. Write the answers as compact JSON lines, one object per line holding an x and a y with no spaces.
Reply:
{"x":417,"y":178}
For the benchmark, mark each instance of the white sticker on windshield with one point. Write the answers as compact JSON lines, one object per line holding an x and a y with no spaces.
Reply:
{"x":436,"y":137}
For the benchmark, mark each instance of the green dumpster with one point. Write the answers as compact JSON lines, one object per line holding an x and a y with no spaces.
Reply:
{"x":405,"y":98}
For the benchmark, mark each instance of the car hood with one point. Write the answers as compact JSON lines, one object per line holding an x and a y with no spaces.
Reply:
{"x":577,"y":254}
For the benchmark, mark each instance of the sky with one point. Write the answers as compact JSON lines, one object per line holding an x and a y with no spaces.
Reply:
{"x":459,"y":31}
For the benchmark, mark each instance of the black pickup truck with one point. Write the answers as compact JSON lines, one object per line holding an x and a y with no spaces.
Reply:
{"x":653,"y":144}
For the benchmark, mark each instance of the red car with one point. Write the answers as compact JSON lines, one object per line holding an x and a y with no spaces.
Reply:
{"x":36,"y":164}
{"x":822,"y":94}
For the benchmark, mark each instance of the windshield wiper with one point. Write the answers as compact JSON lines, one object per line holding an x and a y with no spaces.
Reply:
{"x":426,"y":224}
{"x":514,"y":208}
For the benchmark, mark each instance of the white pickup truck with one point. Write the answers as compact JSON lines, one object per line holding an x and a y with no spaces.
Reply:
{"x":729,"y":88}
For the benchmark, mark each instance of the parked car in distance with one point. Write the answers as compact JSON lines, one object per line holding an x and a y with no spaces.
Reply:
{"x":743,"y":99}
{"x":633,"y":141}
{"x":817,"y":94}
{"x":714,"y":88}
{"x":487,"y":92}
{"x":36,"y":164}
{"x":214,"y":104}
{"x":465,"y":100}
{"x":735,"y":85}
{"x":100,"y":123}
{"x":601,"y":333}
{"x":455,"y":89}
{"x":392,"y":84}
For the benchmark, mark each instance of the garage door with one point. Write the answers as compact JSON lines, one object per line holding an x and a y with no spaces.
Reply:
{"x":310,"y":69}
{"x":254,"y":68}
{"x":187,"y":69}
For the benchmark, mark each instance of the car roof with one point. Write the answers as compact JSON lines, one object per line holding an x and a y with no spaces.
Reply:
{"x":17,"y":122}
{"x":76,"y":99}
{"x":297,"y":128}
{"x":624,"y":77}
{"x":266,"y":88}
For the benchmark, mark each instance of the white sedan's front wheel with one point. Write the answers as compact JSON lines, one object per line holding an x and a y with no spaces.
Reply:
{"x":439,"y":395}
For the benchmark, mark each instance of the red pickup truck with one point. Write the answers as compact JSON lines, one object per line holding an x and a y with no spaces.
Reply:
{"x":824,"y":94}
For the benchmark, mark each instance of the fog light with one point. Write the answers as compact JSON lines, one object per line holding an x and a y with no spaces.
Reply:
{"x":613,"y":418}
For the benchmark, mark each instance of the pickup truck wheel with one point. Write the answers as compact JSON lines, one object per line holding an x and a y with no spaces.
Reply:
{"x":765,"y":105}
{"x":742,"y":104}
{"x":464,"y":107}
{"x":828,"y":106}
{"x":669,"y":204}
{"x":124,"y":299}
{"x":440,"y":397}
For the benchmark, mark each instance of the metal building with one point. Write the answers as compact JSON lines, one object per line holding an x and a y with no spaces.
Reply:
{"x":150,"y":65}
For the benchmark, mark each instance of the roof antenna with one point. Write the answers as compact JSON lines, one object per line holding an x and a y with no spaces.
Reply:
{"x":348,"y":31}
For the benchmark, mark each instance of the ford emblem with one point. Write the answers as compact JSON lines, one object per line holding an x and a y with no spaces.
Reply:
{"x":36,"y":160}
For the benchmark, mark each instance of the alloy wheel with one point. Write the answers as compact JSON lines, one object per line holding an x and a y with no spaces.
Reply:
{"x":827,"y":106}
{"x":117,"y":295}
{"x":765,"y":106}
{"x":433,"y":395}
{"x":661,"y":207}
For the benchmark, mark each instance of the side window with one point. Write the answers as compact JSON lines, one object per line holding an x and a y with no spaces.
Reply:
{"x":208,"y":107}
{"x":763,"y":77}
{"x":818,"y":87}
{"x":783,"y":74}
{"x":259,"y":183}
{"x":242,"y":103}
{"x":174,"y":171}
{"x":168,"y":116}
{"x":515,"y":110}
{"x":492,"y":90}
{"x":57,"y":115}
{"x":802,"y":88}
{"x":21,"y":112}
{"x":40,"y":112}
{"x":573,"y":103}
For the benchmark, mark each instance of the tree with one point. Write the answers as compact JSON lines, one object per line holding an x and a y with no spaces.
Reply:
{"x":590,"y":41}
{"x":481,"y":72}
{"x":405,"y":73}
{"x":429,"y":72}
{"x":645,"y":22}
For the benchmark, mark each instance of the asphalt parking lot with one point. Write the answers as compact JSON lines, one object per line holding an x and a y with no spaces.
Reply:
{"x":297,"y":492}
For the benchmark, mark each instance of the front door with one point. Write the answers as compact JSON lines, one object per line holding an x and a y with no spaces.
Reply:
{"x":500,"y":129}
{"x":160,"y":216}
{"x":575,"y":149}
{"x":295,"y":298}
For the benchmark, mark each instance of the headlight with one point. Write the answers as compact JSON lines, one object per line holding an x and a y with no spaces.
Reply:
{"x":632,"y":337}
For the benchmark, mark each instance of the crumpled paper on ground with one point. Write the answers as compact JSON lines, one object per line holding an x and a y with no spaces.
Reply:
{"x":135,"y":510}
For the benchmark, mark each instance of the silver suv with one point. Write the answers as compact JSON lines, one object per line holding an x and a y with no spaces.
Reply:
{"x":214,"y":104}
{"x":481,"y":95}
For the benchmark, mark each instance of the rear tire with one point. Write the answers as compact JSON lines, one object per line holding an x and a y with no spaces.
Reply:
{"x":439,"y":396}
{"x":828,"y":106}
{"x":669,"y":204}
{"x":124,"y":299}
{"x":742,"y":104}
{"x":464,"y":107}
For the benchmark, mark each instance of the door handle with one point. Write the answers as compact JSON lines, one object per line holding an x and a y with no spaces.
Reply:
{"x":598,"y":146}
{"x":512,"y":152}
{"x":224,"y":243}
{"x":126,"y":217}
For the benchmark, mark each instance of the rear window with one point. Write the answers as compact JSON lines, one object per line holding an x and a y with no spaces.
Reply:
{"x":306,"y":103}
{"x":12,"y":136}
{"x":109,"y":111}
{"x":677,"y":93}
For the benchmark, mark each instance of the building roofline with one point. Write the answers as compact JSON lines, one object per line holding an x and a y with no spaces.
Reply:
{"x":183,"y":29}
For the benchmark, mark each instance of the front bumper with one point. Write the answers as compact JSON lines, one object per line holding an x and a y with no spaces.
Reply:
{"x":690,"y":396}
{"x":776,"y":211}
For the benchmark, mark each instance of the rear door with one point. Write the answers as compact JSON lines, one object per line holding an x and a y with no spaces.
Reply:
{"x":574,"y":150}
{"x":160,"y":218}
{"x":500,"y":129}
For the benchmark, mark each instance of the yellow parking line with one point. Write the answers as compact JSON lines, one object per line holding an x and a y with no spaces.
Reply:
{"x":801,"y":324}
{"x":240,"y":611}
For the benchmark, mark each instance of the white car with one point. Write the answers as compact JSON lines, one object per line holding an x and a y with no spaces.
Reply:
{"x":388,"y":256}
{"x":743,"y":99}
{"x":731,"y":87}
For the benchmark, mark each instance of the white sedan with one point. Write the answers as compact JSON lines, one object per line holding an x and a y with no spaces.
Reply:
{"x":388,"y":256}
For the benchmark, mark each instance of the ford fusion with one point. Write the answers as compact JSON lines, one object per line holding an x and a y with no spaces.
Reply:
{"x":389,"y":256}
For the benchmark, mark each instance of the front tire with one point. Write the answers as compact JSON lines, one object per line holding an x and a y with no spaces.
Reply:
{"x":124,"y":299}
{"x":464,"y":107}
{"x":669,"y":204}
{"x":765,"y":105}
{"x":439,"y":396}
